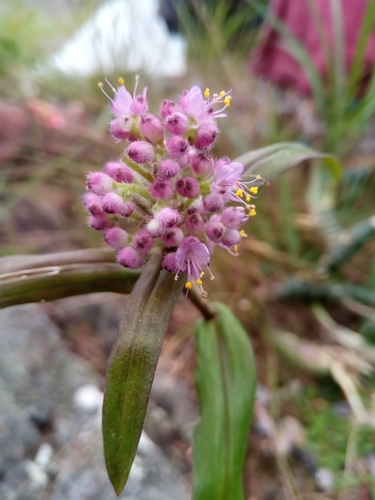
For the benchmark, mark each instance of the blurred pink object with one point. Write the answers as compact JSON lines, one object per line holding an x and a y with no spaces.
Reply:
{"x":47,"y":114}
{"x":309,"y":21}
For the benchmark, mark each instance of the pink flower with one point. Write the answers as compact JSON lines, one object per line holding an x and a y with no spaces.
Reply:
{"x":192,"y":256}
{"x":226,"y":178}
{"x":194,"y":104}
{"x":167,"y":189}
{"x":125,"y":106}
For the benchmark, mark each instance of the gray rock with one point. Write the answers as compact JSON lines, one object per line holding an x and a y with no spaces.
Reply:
{"x":325,"y":479}
{"x":41,"y":382}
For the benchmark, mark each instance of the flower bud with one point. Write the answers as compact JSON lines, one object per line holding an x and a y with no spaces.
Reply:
{"x":231,"y":237}
{"x":100,"y":222}
{"x":169,"y":262}
{"x":161,"y":189}
{"x":143,"y":241}
{"x":152,"y":128}
{"x":168,"y":168}
{"x":177,"y":147}
{"x":139,"y":104}
{"x":177,"y":124}
{"x":119,"y":171}
{"x":154,"y":227}
{"x":213,"y":202}
{"x":173,"y":237}
{"x":168,"y":217}
{"x":116,"y":238}
{"x":141,"y":152}
{"x":118,"y":131}
{"x":128,"y":257}
{"x":188,"y":186}
{"x":215,"y":230}
{"x":92,"y":203}
{"x":202,"y":165}
{"x":99,"y":183}
{"x":207,"y":133}
{"x":112,"y":203}
{"x":232,"y":217}
{"x":194,"y":223}
{"x":167,"y":108}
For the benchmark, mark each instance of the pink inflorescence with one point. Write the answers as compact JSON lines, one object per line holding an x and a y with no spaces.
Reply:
{"x":168,"y":189}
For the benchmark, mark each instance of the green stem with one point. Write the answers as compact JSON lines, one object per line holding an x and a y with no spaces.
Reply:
{"x":15,"y":263}
{"x":58,"y":282}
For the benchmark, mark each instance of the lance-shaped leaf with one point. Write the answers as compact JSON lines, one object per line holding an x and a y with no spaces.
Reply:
{"x":225,"y":380}
{"x":132,"y":366}
{"x":271,"y":161}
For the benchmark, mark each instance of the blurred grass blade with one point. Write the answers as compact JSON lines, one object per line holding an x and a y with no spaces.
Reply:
{"x":320,"y":198}
{"x":360,"y":50}
{"x":225,"y":380}
{"x":271,"y":161}
{"x":338,"y":59}
{"x":306,"y":291}
{"x":132,"y":365}
{"x":351,"y":242}
{"x":368,"y":327}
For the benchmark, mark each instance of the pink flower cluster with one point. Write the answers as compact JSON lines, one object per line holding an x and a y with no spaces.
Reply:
{"x":168,"y":189}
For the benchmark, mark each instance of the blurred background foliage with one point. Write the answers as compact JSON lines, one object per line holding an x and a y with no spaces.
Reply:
{"x":304,"y":283}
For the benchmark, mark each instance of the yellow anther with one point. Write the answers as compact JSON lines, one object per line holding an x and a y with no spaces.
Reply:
{"x":252,"y":213}
{"x":188,"y":285}
{"x":239,"y":193}
{"x":199,"y":282}
{"x":207,"y":93}
{"x":201,"y":274}
{"x":253,"y":190}
{"x":222,"y":93}
{"x":243,"y":234}
{"x":248,"y":197}
{"x":121,"y":81}
{"x":227,"y":100}
{"x":250,"y":207}
{"x":235,"y":248}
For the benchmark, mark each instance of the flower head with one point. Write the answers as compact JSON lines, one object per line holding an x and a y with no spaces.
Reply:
{"x":168,"y":189}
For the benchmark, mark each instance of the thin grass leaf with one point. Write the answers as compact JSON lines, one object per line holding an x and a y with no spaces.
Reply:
{"x":225,"y":381}
{"x":338,"y":59}
{"x":349,"y":244}
{"x":360,"y":50}
{"x":306,"y":291}
{"x":320,"y":198}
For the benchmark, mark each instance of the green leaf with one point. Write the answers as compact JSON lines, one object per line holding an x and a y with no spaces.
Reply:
{"x":351,"y":241}
{"x":307,"y":291}
{"x":271,"y":161}
{"x":225,"y":380}
{"x":132,"y":365}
